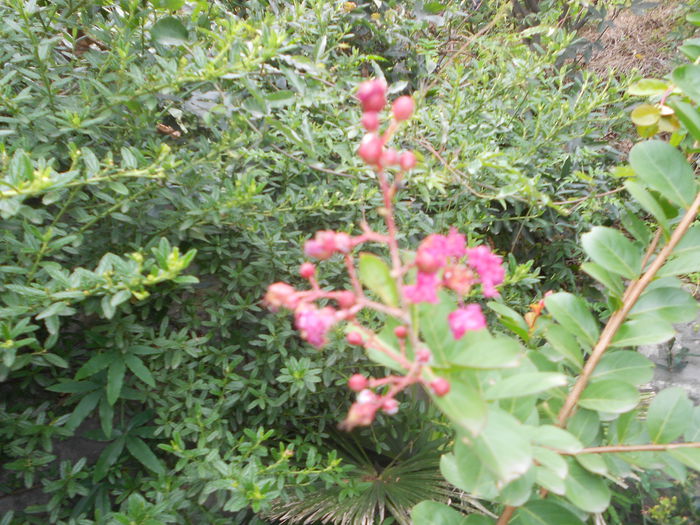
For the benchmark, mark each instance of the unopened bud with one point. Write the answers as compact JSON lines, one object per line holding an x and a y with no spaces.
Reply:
{"x":307,"y":270}
{"x":355,"y":338}
{"x":402,"y":108}
{"x":370,"y":149}
{"x":345,"y":299}
{"x":390,"y":406}
{"x":407,"y":160}
{"x":370,"y":120}
{"x":400,"y":331}
{"x":423,"y":355}
{"x":357,"y":382}
{"x":440,"y":386}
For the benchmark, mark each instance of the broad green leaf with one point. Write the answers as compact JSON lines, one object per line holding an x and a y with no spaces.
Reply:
{"x":593,"y":463}
{"x":108,"y":457}
{"x":565,"y":344}
{"x":688,"y":456}
{"x":585,"y":425}
{"x":669,"y":415}
{"x":648,"y":202}
{"x":572,"y":313}
{"x":613,"y":251}
{"x":689,"y":117}
{"x":138,"y":448}
{"x":665,"y":169}
{"x":643,"y":332}
{"x":115,"y":381}
{"x":525,"y":384}
{"x":693,"y":431}
{"x":553,"y":461}
{"x":434,"y":513}
{"x":464,"y":470}
{"x":624,"y":365}
{"x":169,"y":31}
{"x":557,"y":438}
{"x":139,"y":369}
{"x":585,"y":490}
{"x":647,"y":87}
{"x":504,"y":446}
{"x":280,"y":99}
{"x":376,"y":275}
{"x":674,"y":305}
{"x":608,"y":279}
{"x":171,"y":5}
{"x":687,"y":77}
{"x":544,"y":512}
{"x":518,"y":491}
{"x":609,"y":396}
{"x":685,"y":257}
{"x":547,"y":479}
{"x":463,"y":404}
{"x":487,"y":352}
{"x":694,"y":18}
{"x":645,"y":115}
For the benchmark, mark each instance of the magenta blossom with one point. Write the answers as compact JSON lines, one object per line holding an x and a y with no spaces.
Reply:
{"x":313,"y":324}
{"x":465,"y":319}
{"x":425,"y":289}
{"x":489,"y":266}
{"x":435,"y":250}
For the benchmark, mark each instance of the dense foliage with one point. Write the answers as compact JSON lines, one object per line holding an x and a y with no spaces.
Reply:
{"x":162,"y":163}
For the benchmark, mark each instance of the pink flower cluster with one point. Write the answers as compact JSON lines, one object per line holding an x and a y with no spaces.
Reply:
{"x":326,"y":243}
{"x":372,"y":96}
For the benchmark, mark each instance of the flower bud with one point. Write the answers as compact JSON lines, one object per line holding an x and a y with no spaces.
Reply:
{"x":370,"y":120}
{"x":390,"y":406}
{"x":390,"y":157}
{"x":357,"y":382}
{"x":307,"y":270}
{"x":407,"y":160}
{"x":346,"y":299}
{"x":355,"y":338}
{"x":402,"y":108}
{"x":343,"y":242}
{"x":440,"y":386}
{"x":366,"y":397}
{"x":427,"y":262}
{"x":400,"y":331}
{"x":370,"y":149}
{"x":423,"y":355}
{"x":372,"y":95}
{"x":281,"y":295}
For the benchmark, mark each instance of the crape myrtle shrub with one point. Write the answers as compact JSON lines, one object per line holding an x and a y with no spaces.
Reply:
{"x":162,"y":162}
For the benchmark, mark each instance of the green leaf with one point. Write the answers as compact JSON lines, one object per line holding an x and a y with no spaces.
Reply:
{"x":73,"y":387}
{"x":108,"y":458}
{"x":83,"y":409}
{"x":55,"y":360}
{"x":611,"y":281}
{"x":106,"y":417}
{"x":685,"y":257}
{"x":645,"y":115}
{"x":689,"y":117}
{"x":504,"y":446}
{"x":609,"y":396}
{"x":624,"y":365}
{"x":556,"y":438}
{"x":488,"y":352}
{"x":115,"y":380}
{"x":674,"y":305}
{"x":553,"y":461}
{"x":434,"y":513}
{"x":376,"y":275}
{"x":693,"y":431}
{"x":138,"y":448}
{"x":280,"y":99}
{"x":510,"y":319}
{"x":688,"y":456}
{"x":525,"y":384}
{"x":544,"y":512}
{"x":669,"y":415}
{"x":170,"y":5}
{"x":169,"y":31}
{"x":643,"y":332}
{"x":565,"y":344}
{"x":665,"y":169}
{"x":687,"y":77}
{"x":593,"y":463}
{"x":694,"y":18}
{"x":648,"y":202}
{"x":613,"y":251}
{"x":139,"y":369}
{"x":464,"y":470}
{"x":548,"y":480}
{"x":518,"y":491}
{"x":648,"y":87}
{"x":463,"y":404}
{"x":572,"y":313}
{"x":585,"y":490}
{"x":95,"y":364}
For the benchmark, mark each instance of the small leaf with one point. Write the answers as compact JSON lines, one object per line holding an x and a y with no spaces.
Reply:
{"x":572,"y":313}
{"x":525,"y":384}
{"x":613,"y":251}
{"x":169,"y":31}
{"x":115,"y":380}
{"x":139,"y":369}
{"x":665,"y":169}
{"x":565,"y":344}
{"x":593,"y":463}
{"x":609,"y":396}
{"x":646,"y":115}
{"x":669,"y":415}
{"x":689,"y":117}
{"x":376,"y":275}
{"x":108,"y":458}
{"x":510,"y":319}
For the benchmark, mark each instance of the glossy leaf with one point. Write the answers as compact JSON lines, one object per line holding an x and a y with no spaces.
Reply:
{"x":647,"y":87}
{"x":572,"y":313}
{"x":169,"y":31}
{"x":665,"y":169}
{"x":645,"y":115}
{"x":670,"y":304}
{"x":638,"y":332}
{"x":376,"y":275}
{"x":613,"y":251}
{"x":609,"y":396}
{"x":669,"y":415}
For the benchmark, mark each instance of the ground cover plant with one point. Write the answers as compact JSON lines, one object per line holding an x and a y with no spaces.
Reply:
{"x":162,"y":162}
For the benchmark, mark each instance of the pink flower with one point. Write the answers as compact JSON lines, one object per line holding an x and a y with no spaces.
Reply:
{"x":313,"y":324}
{"x":281,"y":295}
{"x":465,"y":319}
{"x":325,"y":243}
{"x":458,"y":278}
{"x":425,"y":289}
{"x":371,"y":149}
{"x":456,"y":244}
{"x":372,"y":94}
{"x":370,"y":120}
{"x":489,"y":266}
{"x":435,"y":249}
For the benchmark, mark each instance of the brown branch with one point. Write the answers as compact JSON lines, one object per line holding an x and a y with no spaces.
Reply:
{"x":635,"y":289}
{"x":651,"y":447}
{"x":505,"y":516}
{"x":583,"y":199}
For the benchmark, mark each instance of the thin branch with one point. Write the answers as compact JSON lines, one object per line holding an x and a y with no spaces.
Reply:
{"x":635,"y":289}
{"x":505,"y":516}
{"x":651,"y":447}
{"x":583,"y":199}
